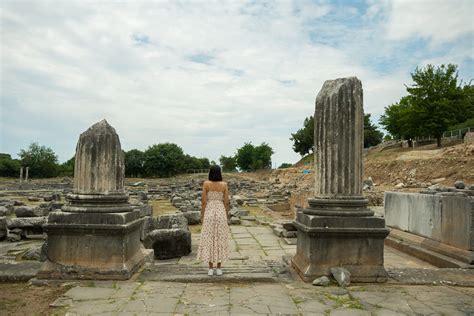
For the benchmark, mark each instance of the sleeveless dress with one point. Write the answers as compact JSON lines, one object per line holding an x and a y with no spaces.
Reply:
{"x":214,"y":244}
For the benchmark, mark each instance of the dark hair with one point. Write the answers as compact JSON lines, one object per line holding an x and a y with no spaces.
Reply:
{"x":215,"y":173}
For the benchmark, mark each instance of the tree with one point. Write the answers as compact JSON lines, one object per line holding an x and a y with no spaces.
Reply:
{"x":244,"y":157}
{"x":303,"y":139}
{"x":285,"y":165}
{"x":437,"y":100}
{"x":205,"y":164}
{"x":163,"y":160}
{"x":9,"y":167}
{"x":67,"y":167}
{"x":191,"y":163}
{"x":134,"y":163}
{"x":250,"y":158}
{"x":228,"y":164}
{"x":397,"y":119}
{"x":41,"y":160}
{"x":372,"y":136}
{"x":262,"y":157}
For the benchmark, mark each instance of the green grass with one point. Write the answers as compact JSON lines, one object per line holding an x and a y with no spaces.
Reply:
{"x":347,"y":301}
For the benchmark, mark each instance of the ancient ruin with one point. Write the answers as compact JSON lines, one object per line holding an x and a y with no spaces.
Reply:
{"x":97,"y":233}
{"x":337,"y":229}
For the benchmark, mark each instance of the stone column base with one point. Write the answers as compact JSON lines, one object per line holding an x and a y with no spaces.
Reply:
{"x":99,"y":246}
{"x":355,"y":243}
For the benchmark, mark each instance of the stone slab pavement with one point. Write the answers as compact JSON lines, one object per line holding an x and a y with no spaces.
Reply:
{"x":296,"y":298}
{"x":256,"y":281}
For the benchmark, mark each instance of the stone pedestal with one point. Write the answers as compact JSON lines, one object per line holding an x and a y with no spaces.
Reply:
{"x":337,"y":229}
{"x":97,"y":233}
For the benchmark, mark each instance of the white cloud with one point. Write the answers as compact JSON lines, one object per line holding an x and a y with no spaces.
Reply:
{"x":208,"y":76}
{"x":436,"y":20}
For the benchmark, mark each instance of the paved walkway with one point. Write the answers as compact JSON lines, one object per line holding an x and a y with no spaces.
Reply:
{"x":256,"y":281}
{"x":148,"y":298}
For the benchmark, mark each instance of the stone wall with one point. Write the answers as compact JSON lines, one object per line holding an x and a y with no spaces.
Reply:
{"x":444,"y":218}
{"x":469,"y":138}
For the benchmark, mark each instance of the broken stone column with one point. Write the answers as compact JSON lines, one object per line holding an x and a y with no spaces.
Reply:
{"x":337,"y":229}
{"x":96,"y":235}
{"x":26,"y":173}
{"x":21,"y":175}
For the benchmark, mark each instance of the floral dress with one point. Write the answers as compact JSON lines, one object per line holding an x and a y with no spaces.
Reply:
{"x":214,"y":245}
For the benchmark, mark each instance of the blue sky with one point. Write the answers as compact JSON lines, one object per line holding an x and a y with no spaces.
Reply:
{"x":209,"y":76}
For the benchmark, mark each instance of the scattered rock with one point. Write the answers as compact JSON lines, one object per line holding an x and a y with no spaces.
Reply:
{"x":29,"y":211}
{"x":459,"y":185}
{"x":4,"y":211}
{"x":235,"y":221}
{"x":3,"y":228}
{"x":32,"y":253}
{"x":142,"y":196}
{"x":278,"y":231}
{"x":239,"y":200}
{"x":342,"y":276}
{"x":238,"y":212}
{"x":14,"y":235}
{"x":290,"y":226}
{"x":437,"y":180}
{"x":193,"y":218}
{"x":322,"y":281}
{"x":169,"y":243}
{"x":368,"y":184}
{"x":33,"y":198}
{"x":28,"y":225}
{"x":289,"y":233}
{"x":400,"y":185}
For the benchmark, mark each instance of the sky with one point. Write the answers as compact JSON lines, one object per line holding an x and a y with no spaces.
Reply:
{"x":207,"y":75}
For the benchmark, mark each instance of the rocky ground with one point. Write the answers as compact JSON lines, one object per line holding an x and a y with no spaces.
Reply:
{"x":256,"y":280}
{"x":263,"y":204}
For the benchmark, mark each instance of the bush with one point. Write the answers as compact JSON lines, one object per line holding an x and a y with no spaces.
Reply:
{"x":9,"y":167}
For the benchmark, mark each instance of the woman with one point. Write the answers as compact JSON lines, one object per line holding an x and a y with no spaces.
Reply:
{"x":214,"y":247}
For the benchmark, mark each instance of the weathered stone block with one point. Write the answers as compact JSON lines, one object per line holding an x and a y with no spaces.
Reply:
{"x":290,"y":233}
{"x":169,"y":243}
{"x":193,"y":218}
{"x":3,"y":227}
{"x":29,"y":211}
{"x":443,"y":218}
{"x":32,"y":225}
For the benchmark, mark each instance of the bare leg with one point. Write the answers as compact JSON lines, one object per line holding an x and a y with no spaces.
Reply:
{"x":211,"y":266}
{"x":218,"y":265}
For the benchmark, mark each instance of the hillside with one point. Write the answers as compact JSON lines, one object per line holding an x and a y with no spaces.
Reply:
{"x":402,"y":169}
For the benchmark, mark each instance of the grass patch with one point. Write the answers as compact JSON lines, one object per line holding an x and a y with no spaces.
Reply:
{"x":345,"y":301}
{"x":161,"y":207}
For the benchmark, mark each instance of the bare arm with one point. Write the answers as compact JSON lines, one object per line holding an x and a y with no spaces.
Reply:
{"x":203,"y":200}
{"x":226,"y":199}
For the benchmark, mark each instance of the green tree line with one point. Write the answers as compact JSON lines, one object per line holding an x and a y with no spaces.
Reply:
{"x":248,"y":158}
{"x":161,"y":160}
{"x":303,"y":139}
{"x":436,"y":101}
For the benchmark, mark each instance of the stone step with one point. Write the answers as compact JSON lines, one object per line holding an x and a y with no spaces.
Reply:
{"x":198,"y":273}
{"x":19,"y":271}
{"x":420,"y":252}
